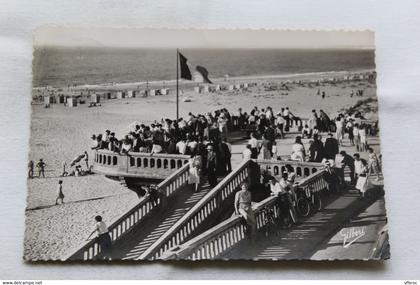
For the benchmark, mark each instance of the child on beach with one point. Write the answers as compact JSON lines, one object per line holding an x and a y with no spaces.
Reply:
{"x":41,"y":168}
{"x":60,"y":194}
{"x":31,"y":169}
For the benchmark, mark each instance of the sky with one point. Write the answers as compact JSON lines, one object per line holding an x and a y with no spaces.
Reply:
{"x":167,"y":38}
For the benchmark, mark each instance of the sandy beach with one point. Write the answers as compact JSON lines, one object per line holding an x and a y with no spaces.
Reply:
{"x":61,"y":133}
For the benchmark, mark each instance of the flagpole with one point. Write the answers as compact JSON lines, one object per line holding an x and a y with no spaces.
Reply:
{"x":177,"y":87}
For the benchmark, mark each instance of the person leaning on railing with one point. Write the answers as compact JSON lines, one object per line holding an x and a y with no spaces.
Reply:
{"x":103,"y":238}
{"x":243,"y":208}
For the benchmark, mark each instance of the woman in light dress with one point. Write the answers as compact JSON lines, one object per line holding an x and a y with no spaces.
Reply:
{"x":195,"y":171}
{"x":298,"y":150}
{"x":265,"y":151}
{"x":339,"y":133}
{"x":362,"y":136}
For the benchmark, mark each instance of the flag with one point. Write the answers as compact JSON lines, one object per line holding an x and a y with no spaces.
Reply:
{"x":203,"y":71}
{"x":185,"y":71}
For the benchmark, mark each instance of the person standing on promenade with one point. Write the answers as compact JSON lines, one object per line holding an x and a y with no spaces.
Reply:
{"x":243,"y":208}
{"x":254,"y":146}
{"x":331,"y":147}
{"x":195,"y":172}
{"x":339,"y":132}
{"x":316,"y":150}
{"x":31,"y":169}
{"x":60,"y":194}
{"x":247,"y":153}
{"x":41,"y":167}
{"x":103,"y":238}
{"x":211,"y":166}
{"x":373,"y":163}
{"x":362,"y":136}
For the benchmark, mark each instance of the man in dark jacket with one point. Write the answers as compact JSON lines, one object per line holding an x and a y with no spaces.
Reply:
{"x":211,"y":165}
{"x":331,"y":147}
{"x":316,"y":150}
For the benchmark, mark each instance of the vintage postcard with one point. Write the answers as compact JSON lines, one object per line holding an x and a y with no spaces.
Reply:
{"x":151,"y":144}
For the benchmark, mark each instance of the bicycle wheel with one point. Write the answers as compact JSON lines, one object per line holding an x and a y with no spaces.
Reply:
{"x":302,"y":206}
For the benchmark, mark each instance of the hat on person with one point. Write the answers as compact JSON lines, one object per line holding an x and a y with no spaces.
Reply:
{"x":209,"y":147}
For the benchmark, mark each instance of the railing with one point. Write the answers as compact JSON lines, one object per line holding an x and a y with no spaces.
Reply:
{"x":200,"y":213}
{"x":302,"y":169}
{"x":312,"y":184}
{"x":222,"y":237}
{"x":134,"y":216}
{"x":137,"y":164}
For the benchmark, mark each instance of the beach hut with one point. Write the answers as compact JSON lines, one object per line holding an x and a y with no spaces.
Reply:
{"x":120,"y":95}
{"x":231,"y":87}
{"x":217,"y":88}
{"x":72,"y":102}
{"x":237,"y":86}
{"x":152,"y":92}
{"x":163,"y":91}
{"x":206,"y":89}
{"x":60,"y":99}
{"x":245,"y":85}
{"x":197,"y":89}
{"x":95,"y":98}
{"x":48,"y":100}
{"x":130,"y":93}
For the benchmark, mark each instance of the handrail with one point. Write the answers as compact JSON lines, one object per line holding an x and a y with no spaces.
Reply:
{"x":228,"y":233}
{"x":221,"y":237}
{"x":134,"y":216}
{"x":208,"y":205}
{"x":303,"y":169}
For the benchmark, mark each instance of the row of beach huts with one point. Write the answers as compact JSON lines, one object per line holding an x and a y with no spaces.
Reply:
{"x":72,"y":99}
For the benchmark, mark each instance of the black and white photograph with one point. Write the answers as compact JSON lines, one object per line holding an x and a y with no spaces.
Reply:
{"x":160,"y":144}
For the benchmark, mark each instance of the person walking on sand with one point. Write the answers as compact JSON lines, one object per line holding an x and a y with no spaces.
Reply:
{"x":60,"y":194}
{"x":31,"y":169}
{"x":41,"y":167}
{"x":103,"y":238}
{"x":86,"y":158}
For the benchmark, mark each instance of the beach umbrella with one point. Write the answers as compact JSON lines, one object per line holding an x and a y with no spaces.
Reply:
{"x":76,"y":159}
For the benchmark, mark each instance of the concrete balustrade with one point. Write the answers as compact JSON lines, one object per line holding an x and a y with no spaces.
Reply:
{"x":277,"y":167}
{"x":201,"y":213}
{"x":137,"y":164}
{"x":119,"y":228}
{"x":222,"y":237}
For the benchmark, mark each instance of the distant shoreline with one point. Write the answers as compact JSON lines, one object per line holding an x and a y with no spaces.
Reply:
{"x":240,"y":79}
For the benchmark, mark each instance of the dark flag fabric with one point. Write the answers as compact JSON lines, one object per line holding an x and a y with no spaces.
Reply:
{"x":185,"y":71}
{"x":203,"y":71}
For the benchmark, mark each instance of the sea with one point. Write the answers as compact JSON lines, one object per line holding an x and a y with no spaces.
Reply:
{"x":64,"y":66}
